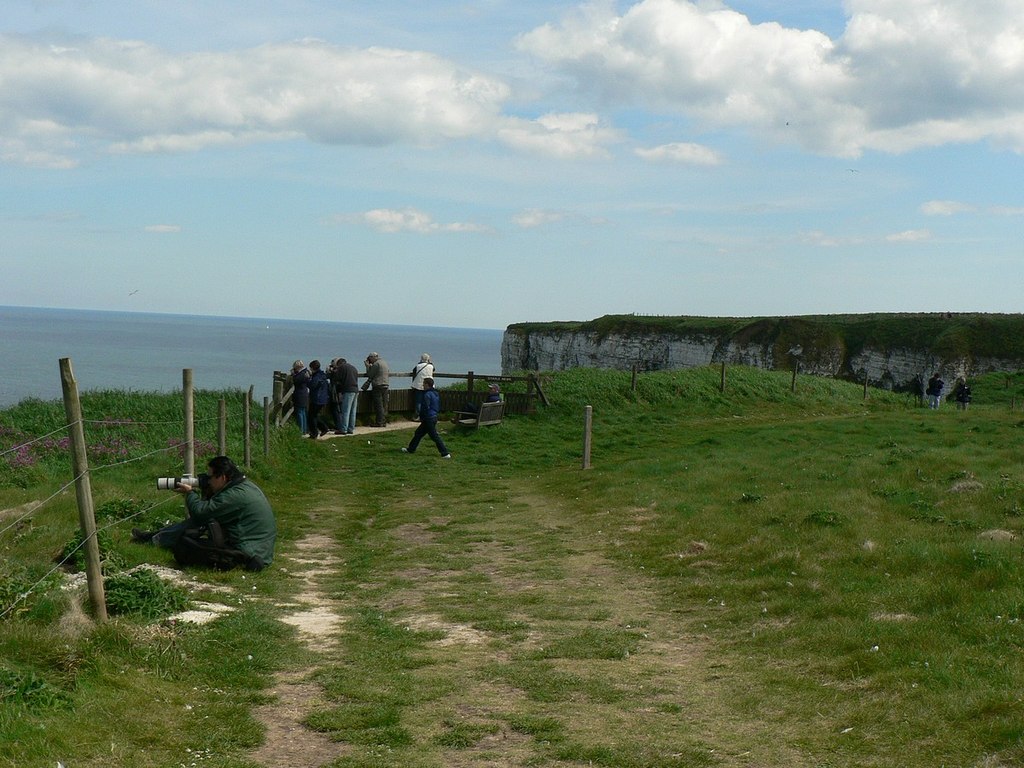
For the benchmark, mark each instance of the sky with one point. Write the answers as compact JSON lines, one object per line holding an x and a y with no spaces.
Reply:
{"x":476,"y":164}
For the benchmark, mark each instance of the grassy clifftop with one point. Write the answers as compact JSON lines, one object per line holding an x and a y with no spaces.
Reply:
{"x":948,"y":335}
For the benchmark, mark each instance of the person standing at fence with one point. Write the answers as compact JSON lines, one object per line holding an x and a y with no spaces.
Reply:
{"x":378,"y":376}
{"x":428,"y":421}
{"x":422,"y":370}
{"x":962,"y":394}
{"x":935,"y":387}
{"x":319,"y":397}
{"x":300,"y":394}
{"x":346,"y":393}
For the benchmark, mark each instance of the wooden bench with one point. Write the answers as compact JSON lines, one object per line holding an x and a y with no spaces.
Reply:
{"x":489,"y":413}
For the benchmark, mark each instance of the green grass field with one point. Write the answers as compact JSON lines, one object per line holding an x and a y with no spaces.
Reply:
{"x":755,"y":577}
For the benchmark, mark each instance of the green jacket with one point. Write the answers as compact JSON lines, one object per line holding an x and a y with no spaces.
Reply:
{"x":244,"y":515}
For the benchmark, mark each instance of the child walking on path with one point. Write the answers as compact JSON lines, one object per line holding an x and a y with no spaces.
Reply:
{"x":429,"y":412}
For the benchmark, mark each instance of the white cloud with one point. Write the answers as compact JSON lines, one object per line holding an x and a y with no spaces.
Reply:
{"x":559,"y":135}
{"x":690,"y":154}
{"x":163,"y":228}
{"x":820,"y":239}
{"x":390,"y":220}
{"x":903,"y":75}
{"x":536,"y":217}
{"x":909,"y":236}
{"x":945,"y":208}
{"x":138,"y":98}
{"x":1007,"y":210}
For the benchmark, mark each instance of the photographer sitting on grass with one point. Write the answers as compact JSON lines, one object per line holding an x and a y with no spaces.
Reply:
{"x":231,"y":524}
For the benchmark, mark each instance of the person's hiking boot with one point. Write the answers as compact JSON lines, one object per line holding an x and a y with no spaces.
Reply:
{"x":141,"y":536}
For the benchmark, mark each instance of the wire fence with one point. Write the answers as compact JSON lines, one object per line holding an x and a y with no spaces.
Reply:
{"x":111,"y":446}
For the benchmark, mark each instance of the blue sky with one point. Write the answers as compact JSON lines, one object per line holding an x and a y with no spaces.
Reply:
{"x":475,"y":164}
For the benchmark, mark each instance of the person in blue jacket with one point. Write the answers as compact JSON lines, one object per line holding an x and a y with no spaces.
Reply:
{"x":429,"y":411}
{"x":319,"y":397}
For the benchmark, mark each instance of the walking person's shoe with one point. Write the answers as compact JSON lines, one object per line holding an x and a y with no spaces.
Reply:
{"x":446,"y":456}
{"x":406,"y":450}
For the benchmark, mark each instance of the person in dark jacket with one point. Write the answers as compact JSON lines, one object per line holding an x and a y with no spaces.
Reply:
{"x":345,"y":379}
{"x":378,"y":376}
{"x":300,"y":395}
{"x":229,"y":524}
{"x":935,"y":389}
{"x":493,"y":396}
{"x":319,"y":397}
{"x":428,"y":421}
{"x":962,"y":394}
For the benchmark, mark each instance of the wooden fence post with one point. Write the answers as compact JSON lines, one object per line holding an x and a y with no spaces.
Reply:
{"x":588,"y":421}
{"x":865,"y":385}
{"x":246,"y":441}
{"x":278,"y":397}
{"x":222,"y":427}
{"x":83,"y":490}
{"x":188,"y":396}
{"x":796,"y":369}
{"x":266,"y":427}
{"x":632,"y":386}
{"x":721,"y":385}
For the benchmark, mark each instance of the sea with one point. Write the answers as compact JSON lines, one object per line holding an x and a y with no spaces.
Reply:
{"x":147,"y":352}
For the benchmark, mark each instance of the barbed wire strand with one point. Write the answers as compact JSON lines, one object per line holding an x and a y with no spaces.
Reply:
{"x":33,"y":441}
{"x":28,"y":592}
{"x":133,"y":515}
{"x":40,"y":438}
{"x":172,"y":447}
{"x":134,"y":423}
{"x":25,"y":595}
{"x":74,"y":480}
{"x":41,"y":503}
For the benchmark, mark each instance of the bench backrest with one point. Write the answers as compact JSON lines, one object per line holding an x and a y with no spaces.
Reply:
{"x":490,"y":413}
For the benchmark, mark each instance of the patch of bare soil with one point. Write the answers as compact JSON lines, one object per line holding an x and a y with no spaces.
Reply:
{"x":19,"y":511}
{"x":288,"y":741}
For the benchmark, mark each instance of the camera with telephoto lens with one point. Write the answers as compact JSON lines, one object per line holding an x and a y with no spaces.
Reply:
{"x":171,"y":483}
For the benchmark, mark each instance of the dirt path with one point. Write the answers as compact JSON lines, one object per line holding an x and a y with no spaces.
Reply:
{"x":675,"y":688}
{"x":318,"y":620}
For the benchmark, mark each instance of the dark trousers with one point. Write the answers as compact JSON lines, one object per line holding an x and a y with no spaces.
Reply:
{"x":203,"y":546}
{"x":381,"y":397}
{"x":427,"y":427}
{"x":317,"y":419}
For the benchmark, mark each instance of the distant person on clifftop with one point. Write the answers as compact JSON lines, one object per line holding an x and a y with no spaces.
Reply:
{"x":422,"y":370}
{"x":378,"y":376}
{"x":962,"y":394}
{"x":300,"y":395}
{"x":935,"y":387}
